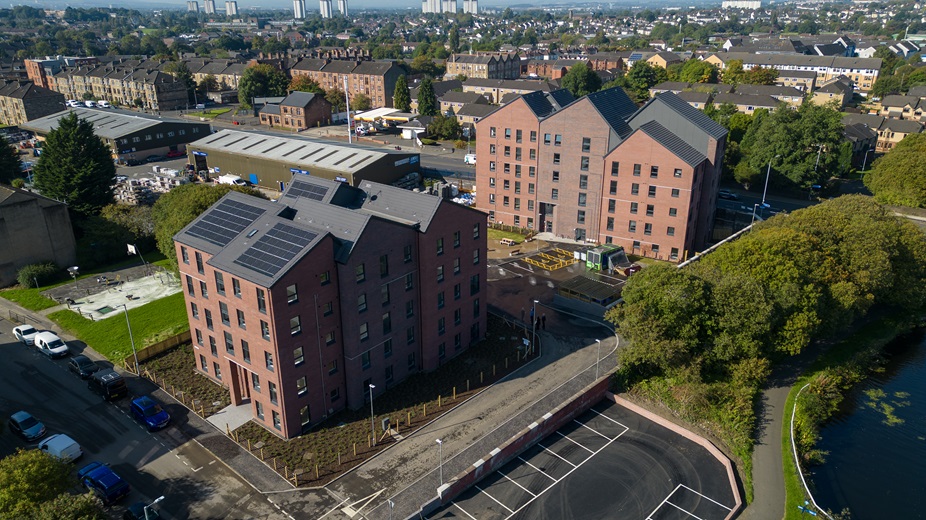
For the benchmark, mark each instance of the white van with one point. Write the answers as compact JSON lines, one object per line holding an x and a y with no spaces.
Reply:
{"x":90,"y":104}
{"x":62,"y":446}
{"x":103,"y":104}
{"x":469,"y":158}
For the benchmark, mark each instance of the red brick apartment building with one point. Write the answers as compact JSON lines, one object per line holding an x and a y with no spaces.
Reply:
{"x":601,"y":170}
{"x":297,"y":306}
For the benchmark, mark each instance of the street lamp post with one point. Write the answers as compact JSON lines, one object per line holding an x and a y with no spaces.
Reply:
{"x":156,"y":500}
{"x":132,"y":339}
{"x":391,"y":507}
{"x":597,"y":359}
{"x":73,"y":272}
{"x":372,"y":424}
{"x":534,"y":324}
{"x":440,"y":458}
{"x":865,"y":161}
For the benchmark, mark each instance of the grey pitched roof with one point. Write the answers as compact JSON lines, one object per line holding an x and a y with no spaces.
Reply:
{"x":899,"y":101}
{"x":241,"y":232}
{"x":270,"y":108}
{"x":688,"y":113}
{"x":858,"y":132}
{"x":309,"y":64}
{"x":774,"y":91}
{"x":373,"y":68}
{"x":474,"y":110}
{"x":673,"y":143}
{"x":671,"y":86}
{"x":298,"y":99}
{"x":440,"y":87}
{"x":917,"y":91}
{"x":800,"y":60}
{"x":23,"y":90}
{"x":107,"y":123}
{"x":542,"y":104}
{"x":690,"y":96}
{"x":754,"y":100}
{"x":614,"y":106}
{"x":300,"y":151}
{"x":797,"y":74}
{"x":904,"y":126}
{"x":462,"y":97}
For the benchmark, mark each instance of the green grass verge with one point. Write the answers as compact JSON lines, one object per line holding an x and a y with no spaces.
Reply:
{"x":498,"y":234}
{"x":876,"y":334}
{"x":210,"y":114}
{"x":31,"y":299}
{"x":152,"y":322}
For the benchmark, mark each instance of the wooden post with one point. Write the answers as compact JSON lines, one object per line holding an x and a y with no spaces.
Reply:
{"x":316,"y":472}
{"x":295,"y":479}
{"x":438,"y":400}
{"x":408,"y":420}
{"x":285,"y":471}
{"x":454,"y":393}
{"x":261,"y":453}
{"x":355,"y":449}
{"x":249,"y":445}
{"x":227,"y":430}
{"x":467,"y":385}
{"x":493,"y":369}
{"x":480,"y":377}
{"x":424,"y":409}
{"x":369,"y":442}
{"x":506,"y":362}
{"x":274,"y":464}
{"x":339,"y":457}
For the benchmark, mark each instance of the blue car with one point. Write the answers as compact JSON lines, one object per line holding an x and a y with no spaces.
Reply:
{"x":103,"y":482}
{"x":150,"y":413}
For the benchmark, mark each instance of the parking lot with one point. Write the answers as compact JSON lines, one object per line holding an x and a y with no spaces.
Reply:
{"x":607,"y":463}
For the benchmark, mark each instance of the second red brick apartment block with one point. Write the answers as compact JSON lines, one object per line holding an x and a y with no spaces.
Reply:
{"x":299,"y":305}
{"x":601,"y":170}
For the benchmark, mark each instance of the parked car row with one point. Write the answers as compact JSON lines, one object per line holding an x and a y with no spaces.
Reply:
{"x":73,"y":103}
{"x":97,"y":477}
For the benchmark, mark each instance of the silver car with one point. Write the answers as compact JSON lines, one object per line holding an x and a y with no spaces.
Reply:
{"x":25,"y":334}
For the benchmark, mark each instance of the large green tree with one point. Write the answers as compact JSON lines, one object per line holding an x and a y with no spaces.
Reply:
{"x":11,"y":166}
{"x":180,"y":206}
{"x":641,"y":77}
{"x":401,"y":99}
{"x":31,"y":478}
{"x":303,"y":83}
{"x":698,"y":71}
{"x":900,"y":176}
{"x":180,"y":71}
{"x":259,"y":81}
{"x":76,"y":167}
{"x":427,"y":101}
{"x":581,"y":80}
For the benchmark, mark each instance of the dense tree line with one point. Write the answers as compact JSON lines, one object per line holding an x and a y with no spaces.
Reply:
{"x":35,"y":485}
{"x":899,"y":177}
{"x":702,"y":339}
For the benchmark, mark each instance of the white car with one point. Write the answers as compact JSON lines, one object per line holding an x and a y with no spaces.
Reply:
{"x":51,"y":345}
{"x":90,"y":104}
{"x":74,"y":103}
{"x":25,"y":333}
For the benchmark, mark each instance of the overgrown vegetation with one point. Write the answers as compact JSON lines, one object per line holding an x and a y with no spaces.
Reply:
{"x":900,"y":176}
{"x":34,"y":484}
{"x":702,"y":339}
{"x":35,"y":275}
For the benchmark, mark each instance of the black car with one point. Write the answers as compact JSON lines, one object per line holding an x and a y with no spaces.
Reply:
{"x":83,"y":366}
{"x":155,"y":158}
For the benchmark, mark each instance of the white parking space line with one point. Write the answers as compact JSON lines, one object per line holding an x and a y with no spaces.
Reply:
{"x":687,"y":512}
{"x":606,"y":417}
{"x":516,"y":484}
{"x":707,"y":497}
{"x":542,"y":472}
{"x":493,"y":499}
{"x":464,"y":511}
{"x":574,"y":442}
{"x":590,"y":428}
{"x":574,"y":467}
{"x":557,"y":456}
{"x":649,"y":516}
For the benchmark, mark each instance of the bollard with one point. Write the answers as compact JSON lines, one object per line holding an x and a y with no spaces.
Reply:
{"x":454,"y":393}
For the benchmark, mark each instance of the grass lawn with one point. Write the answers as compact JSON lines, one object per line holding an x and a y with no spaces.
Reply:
{"x":210,"y":114}
{"x":494,"y":235}
{"x":405,"y":405}
{"x":32,"y":299}
{"x":878,"y":333}
{"x":152,"y":322}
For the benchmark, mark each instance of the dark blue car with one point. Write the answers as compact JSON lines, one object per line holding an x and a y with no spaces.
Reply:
{"x":103,"y":482}
{"x":149,"y":412}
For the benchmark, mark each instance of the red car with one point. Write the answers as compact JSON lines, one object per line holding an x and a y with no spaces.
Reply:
{"x":175,"y":153}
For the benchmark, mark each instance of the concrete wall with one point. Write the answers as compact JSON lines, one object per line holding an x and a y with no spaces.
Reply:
{"x":33,"y":230}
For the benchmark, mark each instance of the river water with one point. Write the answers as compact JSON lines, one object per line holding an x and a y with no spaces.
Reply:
{"x":876,"y":465}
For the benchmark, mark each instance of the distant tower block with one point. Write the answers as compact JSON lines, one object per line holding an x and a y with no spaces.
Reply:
{"x":210,"y":6}
{"x":192,"y":6}
{"x":231,"y":8}
{"x":324,"y":7}
{"x":299,"y":9}
{"x":342,"y":6}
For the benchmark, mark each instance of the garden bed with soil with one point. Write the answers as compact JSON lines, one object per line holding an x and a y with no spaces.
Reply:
{"x":175,"y":372}
{"x":343,"y":441}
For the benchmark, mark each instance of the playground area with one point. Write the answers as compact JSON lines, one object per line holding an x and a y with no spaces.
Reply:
{"x":101,"y":297}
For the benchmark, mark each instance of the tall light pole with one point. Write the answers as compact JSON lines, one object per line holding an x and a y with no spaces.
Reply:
{"x":865,"y":161}
{"x":534,"y":324}
{"x":156,"y":500}
{"x":768,"y":174}
{"x":73,"y":271}
{"x":440,"y":458}
{"x":372,"y":424}
{"x":391,"y":507}
{"x":132,"y":339}
{"x":597,"y":358}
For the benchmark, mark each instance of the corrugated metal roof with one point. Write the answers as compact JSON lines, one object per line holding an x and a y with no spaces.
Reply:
{"x":673,"y":143}
{"x":107,"y":123}
{"x":300,"y":151}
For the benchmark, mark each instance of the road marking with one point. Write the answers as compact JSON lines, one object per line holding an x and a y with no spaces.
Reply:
{"x":707,"y":497}
{"x":687,"y":512}
{"x":542,"y":472}
{"x":557,"y":456}
{"x":590,"y":428}
{"x":608,"y":418}
{"x":212,"y":462}
{"x":464,"y":511}
{"x":493,"y":499}
{"x":516,"y":484}
{"x":649,"y":516}
{"x":574,"y":442}
{"x":197,"y":469}
{"x":335,"y":508}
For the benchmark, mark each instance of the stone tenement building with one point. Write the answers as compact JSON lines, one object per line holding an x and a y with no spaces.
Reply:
{"x":119,"y":85}
{"x":375,"y":79}
{"x":485,"y":66}
{"x":22,"y":101}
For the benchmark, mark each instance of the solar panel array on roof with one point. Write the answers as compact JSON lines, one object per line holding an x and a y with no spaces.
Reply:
{"x":309,"y":191}
{"x":275,"y":249}
{"x":225,"y":222}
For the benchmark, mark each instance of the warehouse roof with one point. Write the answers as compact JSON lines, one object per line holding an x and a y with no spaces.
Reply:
{"x":299,"y":151}
{"x":107,"y":123}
